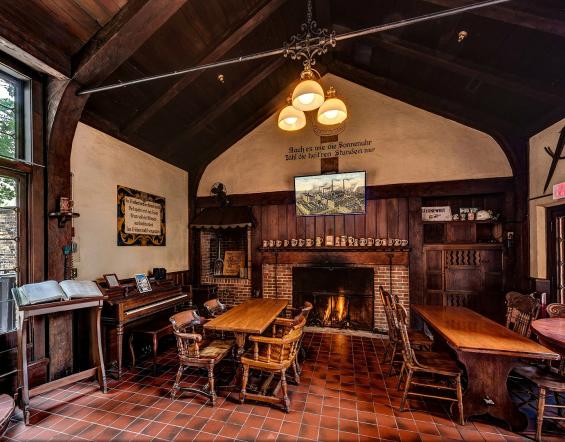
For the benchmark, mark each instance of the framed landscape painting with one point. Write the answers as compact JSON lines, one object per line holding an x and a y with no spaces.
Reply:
{"x":331,"y":194}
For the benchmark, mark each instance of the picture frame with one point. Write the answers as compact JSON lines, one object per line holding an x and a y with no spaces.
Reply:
{"x":142,"y":282}
{"x":331,"y":194}
{"x":112,"y":280}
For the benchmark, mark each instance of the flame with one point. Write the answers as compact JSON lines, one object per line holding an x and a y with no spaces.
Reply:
{"x":337,"y":314}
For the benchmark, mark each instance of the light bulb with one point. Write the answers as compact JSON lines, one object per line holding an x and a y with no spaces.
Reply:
{"x":306,"y":98}
{"x":331,"y":114}
{"x":290,"y":120}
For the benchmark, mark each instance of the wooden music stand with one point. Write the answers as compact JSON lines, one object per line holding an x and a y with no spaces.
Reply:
{"x":25,"y":312}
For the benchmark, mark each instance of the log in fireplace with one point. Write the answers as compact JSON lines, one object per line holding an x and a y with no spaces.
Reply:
{"x":342,"y":296}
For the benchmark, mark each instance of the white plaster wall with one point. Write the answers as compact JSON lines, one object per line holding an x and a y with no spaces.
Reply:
{"x":411,"y":145}
{"x":99,"y":163}
{"x":539,"y":201}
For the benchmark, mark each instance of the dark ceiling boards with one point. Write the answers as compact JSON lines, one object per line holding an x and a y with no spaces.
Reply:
{"x":506,"y":77}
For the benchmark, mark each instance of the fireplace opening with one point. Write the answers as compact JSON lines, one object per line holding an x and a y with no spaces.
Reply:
{"x":343,"y":297}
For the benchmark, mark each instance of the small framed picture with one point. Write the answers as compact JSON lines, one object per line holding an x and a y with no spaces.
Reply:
{"x":142,"y":281}
{"x":112,"y":280}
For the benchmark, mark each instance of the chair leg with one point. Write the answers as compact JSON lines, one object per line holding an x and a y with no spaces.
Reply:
{"x":244,"y":383}
{"x":176,"y":386}
{"x":558,"y":402}
{"x":400,"y":376}
{"x":392,"y":356}
{"x":211,"y":385}
{"x":541,"y":408}
{"x":296,"y":373}
{"x":285,"y":399}
{"x":460,"y":401}
{"x":406,"y":389}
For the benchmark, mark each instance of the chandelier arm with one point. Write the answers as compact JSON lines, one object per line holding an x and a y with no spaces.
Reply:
{"x":415,"y":20}
{"x":202,"y":67}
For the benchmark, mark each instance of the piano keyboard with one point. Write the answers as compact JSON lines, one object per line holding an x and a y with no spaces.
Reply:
{"x":148,"y":306}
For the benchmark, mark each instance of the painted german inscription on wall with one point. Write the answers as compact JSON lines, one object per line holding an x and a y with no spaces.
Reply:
{"x":329,"y":150}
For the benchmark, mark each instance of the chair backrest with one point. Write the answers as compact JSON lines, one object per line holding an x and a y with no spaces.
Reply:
{"x":184,"y":323}
{"x":214,"y":307}
{"x":521,"y":310}
{"x":287,"y":346}
{"x":390,"y":314}
{"x":556,"y":310}
{"x":306,"y":309}
{"x":401,"y":316}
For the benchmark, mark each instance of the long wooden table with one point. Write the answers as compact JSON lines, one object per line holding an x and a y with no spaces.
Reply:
{"x":249,"y":318}
{"x":489,"y":352}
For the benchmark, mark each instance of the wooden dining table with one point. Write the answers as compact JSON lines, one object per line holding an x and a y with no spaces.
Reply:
{"x":248,"y":318}
{"x":551,"y":333}
{"x":489,"y":352}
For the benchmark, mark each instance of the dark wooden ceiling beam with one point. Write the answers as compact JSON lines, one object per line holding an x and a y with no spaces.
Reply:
{"x":489,"y":124}
{"x":446,"y":62}
{"x":215,"y":110}
{"x":508,"y":14}
{"x":216,"y":54}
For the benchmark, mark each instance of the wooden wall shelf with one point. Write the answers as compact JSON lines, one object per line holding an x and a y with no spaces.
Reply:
{"x":63,"y":217}
{"x":336,"y":256}
{"x":336,"y":249}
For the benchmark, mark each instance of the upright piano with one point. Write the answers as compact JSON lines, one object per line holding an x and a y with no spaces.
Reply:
{"x":125,"y":306}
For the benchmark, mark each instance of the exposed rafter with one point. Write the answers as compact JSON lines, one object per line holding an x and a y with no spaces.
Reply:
{"x":511,"y":15}
{"x":219,"y":51}
{"x":446,"y":61}
{"x":215,"y":110}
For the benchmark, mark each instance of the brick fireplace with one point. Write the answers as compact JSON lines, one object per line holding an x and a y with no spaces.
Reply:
{"x":278,"y":283}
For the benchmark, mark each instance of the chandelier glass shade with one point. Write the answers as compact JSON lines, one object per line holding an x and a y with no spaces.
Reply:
{"x":291,"y":119}
{"x":333,"y":110}
{"x":308,"y":95}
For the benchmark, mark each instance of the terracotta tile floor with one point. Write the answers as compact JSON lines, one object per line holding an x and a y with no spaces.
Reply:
{"x":343,"y":396}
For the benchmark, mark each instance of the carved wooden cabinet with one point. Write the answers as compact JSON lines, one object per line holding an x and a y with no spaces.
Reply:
{"x":467,"y":275}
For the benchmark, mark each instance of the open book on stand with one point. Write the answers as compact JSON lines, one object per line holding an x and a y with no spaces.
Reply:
{"x":49,"y":291}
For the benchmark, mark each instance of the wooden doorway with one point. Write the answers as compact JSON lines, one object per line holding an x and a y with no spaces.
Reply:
{"x":556,"y":253}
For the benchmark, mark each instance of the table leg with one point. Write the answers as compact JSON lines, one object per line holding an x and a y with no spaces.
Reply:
{"x":120,"y":341}
{"x":235,"y":384}
{"x":23,"y":379}
{"x":487,"y":392}
{"x":96,"y":346}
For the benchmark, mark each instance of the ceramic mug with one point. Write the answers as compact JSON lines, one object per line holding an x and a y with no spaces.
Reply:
{"x":355,"y":242}
{"x":300,"y":242}
{"x":363,"y":242}
{"x":337,"y":241}
{"x":278,"y":243}
{"x":350,"y":241}
{"x":390,"y":242}
{"x":343,"y":239}
{"x":265,"y":243}
{"x":370,"y":242}
{"x":329,"y":240}
{"x":286,"y":242}
{"x":397,"y":242}
{"x":319,"y":240}
{"x":309,"y":242}
{"x":271,"y":243}
{"x":293,"y":242}
{"x":404,"y":243}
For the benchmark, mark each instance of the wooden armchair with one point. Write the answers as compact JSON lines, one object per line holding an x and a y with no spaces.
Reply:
{"x":521,"y":310}
{"x":193,"y":351}
{"x":214,"y":307}
{"x":556,"y":310}
{"x":394,"y":346}
{"x":427,"y":370}
{"x":274,"y":355}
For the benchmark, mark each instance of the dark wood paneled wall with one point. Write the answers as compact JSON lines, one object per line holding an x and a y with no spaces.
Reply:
{"x":393,"y":211}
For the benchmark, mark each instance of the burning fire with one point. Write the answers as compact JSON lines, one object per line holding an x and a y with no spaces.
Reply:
{"x":337,"y":314}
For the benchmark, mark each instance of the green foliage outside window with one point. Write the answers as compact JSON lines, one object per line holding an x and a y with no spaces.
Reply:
{"x":8,"y":137}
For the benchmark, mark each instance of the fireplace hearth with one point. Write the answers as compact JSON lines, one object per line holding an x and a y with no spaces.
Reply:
{"x":342,"y":297}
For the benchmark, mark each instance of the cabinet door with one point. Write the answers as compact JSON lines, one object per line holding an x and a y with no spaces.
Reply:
{"x":433,"y":259}
{"x":492,"y":291}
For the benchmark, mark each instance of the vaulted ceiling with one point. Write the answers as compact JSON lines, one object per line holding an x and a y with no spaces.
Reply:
{"x":507,"y":76}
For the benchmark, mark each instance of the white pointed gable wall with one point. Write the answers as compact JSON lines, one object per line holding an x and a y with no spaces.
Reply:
{"x":411,"y":146}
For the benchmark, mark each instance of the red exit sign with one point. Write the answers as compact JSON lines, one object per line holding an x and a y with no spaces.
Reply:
{"x":559,"y":191}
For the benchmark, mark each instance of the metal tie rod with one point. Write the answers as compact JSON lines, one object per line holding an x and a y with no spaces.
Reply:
{"x":259,"y":55}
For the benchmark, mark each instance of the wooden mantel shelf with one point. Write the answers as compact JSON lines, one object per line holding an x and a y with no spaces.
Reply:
{"x":336,"y":255}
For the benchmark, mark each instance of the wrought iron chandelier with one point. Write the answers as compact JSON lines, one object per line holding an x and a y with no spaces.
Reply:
{"x":309,"y":43}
